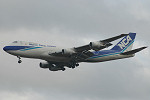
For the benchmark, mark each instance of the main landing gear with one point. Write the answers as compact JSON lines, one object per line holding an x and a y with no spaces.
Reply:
{"x":73,"y":65}
{"x":63,"y":69}
{"x":19,"y":61}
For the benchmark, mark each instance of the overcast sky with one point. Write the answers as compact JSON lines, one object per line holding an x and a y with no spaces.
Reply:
{"x":69,"y":23}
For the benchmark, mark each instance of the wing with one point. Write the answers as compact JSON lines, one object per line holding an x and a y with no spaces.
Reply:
{"x":98,"y":45}
{"x":81,"y":53}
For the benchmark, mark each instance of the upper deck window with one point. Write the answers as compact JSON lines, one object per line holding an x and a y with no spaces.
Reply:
{"x":15,"y":42}
{"x":33,"y":44}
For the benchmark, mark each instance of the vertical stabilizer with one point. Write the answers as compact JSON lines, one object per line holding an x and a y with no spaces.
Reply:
{"x":126,"y":43}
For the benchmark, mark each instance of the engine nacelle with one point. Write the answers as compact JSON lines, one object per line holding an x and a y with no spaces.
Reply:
{"x":55,"y":68}
{"x":67,"y":51}
{"x":52,"y":67}
{"x":45,"y":65}
{"x":98,"y":45}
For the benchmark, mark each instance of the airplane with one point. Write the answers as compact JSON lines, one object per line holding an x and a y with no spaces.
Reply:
{"x":58,"y":58}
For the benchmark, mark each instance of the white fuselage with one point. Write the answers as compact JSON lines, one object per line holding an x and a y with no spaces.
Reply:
{"x":45,"y":52}
{"x":37,"y":51}
{"x":57,"y":58}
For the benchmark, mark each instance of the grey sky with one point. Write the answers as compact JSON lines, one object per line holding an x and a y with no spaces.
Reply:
{"x":69,"y":23}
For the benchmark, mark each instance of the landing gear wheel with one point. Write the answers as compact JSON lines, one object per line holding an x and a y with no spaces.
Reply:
{"x":63,"y":69}
{"x":19,"y":61}
{"x":77,"y":65}
{"x":73,"y":67}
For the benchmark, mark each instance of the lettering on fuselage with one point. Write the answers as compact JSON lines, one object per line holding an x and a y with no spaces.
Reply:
{"x":41,"y":45}
{"x":125,"y":42}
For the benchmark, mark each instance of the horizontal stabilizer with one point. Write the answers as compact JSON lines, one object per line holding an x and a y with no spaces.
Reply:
{"x":133,"y":51}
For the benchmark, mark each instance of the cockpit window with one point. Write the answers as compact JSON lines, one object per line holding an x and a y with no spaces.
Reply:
{"x":15,"y":42}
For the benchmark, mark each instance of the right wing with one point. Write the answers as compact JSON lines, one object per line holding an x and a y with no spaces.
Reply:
{"x":98,"y":45}
{"x":83,"y":52}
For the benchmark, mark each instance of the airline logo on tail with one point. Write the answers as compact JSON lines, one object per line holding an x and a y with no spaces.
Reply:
{"x":125,"y":42}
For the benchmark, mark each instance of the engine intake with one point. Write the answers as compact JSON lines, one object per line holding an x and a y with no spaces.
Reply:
{"x":52,"y":67}
{"x":98,"y":45}
{"x":67,"y":51}
{"x":45,"y":65}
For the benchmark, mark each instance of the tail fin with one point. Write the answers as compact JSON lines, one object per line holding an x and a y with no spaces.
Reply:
{"x":125,"y":44}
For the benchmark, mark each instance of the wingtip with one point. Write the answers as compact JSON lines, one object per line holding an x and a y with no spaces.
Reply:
{"x":124,"y":34}
{"x":142,"y":48}
{"x":145,"y":47}
{"x":128,"y":33}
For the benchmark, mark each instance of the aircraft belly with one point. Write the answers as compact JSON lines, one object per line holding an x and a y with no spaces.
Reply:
{"x":47,"y":57}
{"x":107,"y":58}
{"x":28,"y":54}
{"x":101,"y":59}
{"x":56,"y":59}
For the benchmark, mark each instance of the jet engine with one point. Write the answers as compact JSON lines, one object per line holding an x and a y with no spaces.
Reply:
{"x":98,"y":45}
{"x":52,"y":67}
{"x":45,"y":65}
{"x":56,"y":68}
{"x":67,"y":51}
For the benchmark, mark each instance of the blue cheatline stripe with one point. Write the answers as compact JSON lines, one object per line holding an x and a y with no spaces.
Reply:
{"x":105,"y":55}
{"x":111,"y":53}
{"x":7,"y":48}
{"x":21,"y":48}
{"x":30,"y":48}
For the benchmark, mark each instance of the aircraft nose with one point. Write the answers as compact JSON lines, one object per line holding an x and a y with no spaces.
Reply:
{"x":5,"y":48}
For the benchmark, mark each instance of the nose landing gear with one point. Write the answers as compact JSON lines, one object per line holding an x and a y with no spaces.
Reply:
{"x":19,"y":61}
